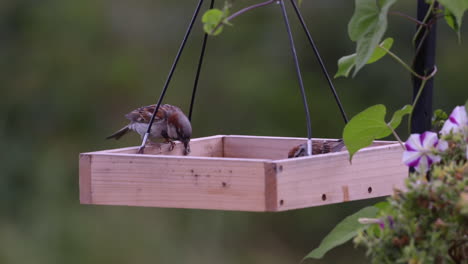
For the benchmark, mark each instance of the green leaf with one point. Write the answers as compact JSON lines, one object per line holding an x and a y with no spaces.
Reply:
{"x":456,"y":8}
{"x":379,"y":53}
{"x":346,"y":63}
{"x":363,"y":128}
{"x":343,"y":232}
{"x":367,"y":27}
{"x":382,"y":205}
{"x":399,"y":114}
{"x":213,"y":21}
{"x":369,"y":125}
{"x":452,"y":22}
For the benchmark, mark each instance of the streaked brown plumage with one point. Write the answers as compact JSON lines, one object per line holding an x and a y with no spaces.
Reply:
{"x":170,"y":123}
{"x":318,"y":147}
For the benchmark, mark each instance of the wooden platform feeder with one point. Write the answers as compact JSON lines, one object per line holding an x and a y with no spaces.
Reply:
{"x":244,"y":173}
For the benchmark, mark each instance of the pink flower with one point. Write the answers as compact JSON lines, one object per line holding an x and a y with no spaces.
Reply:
{"x":419,"y":152}
{"x":457,"y":122}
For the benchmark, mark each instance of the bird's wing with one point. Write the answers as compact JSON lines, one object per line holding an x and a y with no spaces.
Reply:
{"x":143,"y":114}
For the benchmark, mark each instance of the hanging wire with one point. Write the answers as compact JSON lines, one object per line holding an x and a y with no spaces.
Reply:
{"x":200,"y":63}
{"x":169,"y":77}
{"x":320,"y":61}
{"x":299,"y":77}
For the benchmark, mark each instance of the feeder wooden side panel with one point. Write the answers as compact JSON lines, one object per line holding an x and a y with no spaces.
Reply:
{"x":200,"y":147}
{"x":273,"y":148}
{"x":330,"y":178}
{"x":179,"y":182}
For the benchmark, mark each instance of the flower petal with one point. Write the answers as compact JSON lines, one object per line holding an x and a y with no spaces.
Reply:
{"x":423,"y":165}
{"x":457,"y":121}
{"x":411,"y":158}
{"x":442,"y":146}
{"x":413,"y":143}
{"x":432,"y":158}
{"x":429,"y":140}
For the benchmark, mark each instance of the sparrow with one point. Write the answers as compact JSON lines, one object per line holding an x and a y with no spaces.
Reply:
{"x":170,"y":123}
{"x":317,"y":148}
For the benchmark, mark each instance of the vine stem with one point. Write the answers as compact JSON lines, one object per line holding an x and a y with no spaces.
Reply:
{"x":396,"y":136}
{"x":408,"y":17}
{"x":240,"y":12}
{"x":416,"y":99}
{"x":407,"y":67}
{"x":424,"y":22}
{"x":400,"y":61}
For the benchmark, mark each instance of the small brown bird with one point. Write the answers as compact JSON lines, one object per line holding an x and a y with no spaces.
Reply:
{"x":169,"y":123}
{"x":317,"y":148}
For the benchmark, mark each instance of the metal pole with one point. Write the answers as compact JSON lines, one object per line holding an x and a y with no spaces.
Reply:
{"x":424,"y":64}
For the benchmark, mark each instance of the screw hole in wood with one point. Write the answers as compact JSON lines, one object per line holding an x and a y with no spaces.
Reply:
{"x":369,"y":190}
{"x":324,"y":197}
{"x":281,"y":202}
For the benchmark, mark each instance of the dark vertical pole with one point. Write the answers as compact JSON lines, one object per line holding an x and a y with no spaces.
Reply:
{"x":424,"y":64}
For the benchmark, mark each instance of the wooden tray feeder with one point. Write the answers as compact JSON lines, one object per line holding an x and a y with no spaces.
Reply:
{"x":244,"y":173}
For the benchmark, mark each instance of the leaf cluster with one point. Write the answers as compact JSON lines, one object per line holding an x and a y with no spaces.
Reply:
{"x":429,"y":223}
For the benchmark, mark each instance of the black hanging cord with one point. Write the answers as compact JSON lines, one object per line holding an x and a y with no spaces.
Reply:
{"x":320,"y":61}
{"x":171,"y":72}
{"x":299,"y":76}
{"x":197,"y":76}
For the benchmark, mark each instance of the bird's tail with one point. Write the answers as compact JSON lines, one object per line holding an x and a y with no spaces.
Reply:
{"x":119,"y":133}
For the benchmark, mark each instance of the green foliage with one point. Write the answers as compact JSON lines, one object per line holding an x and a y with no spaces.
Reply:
{"x":347,"y":63}
{"x":369,"y":125}
{"x":454,"y":11}
{"x":425,"y":224}
{"x":343,"y":232}
{"x":213,"y":21}
{"x":452,"y":22}
{"x":438,"y":119}
{"x":367,"y":27}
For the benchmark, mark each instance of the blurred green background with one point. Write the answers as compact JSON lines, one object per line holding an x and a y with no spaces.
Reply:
{"x":70,"y":70}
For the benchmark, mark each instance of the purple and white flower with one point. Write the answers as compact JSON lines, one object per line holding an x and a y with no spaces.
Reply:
{"x":457,"y":122}
{"x":419,"y":152}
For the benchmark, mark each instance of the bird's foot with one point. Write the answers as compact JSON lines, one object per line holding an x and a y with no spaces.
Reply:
{"x":171,"y":148}
{"x":141,"y":150}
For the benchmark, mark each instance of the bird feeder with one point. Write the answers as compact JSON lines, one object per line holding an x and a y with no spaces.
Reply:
{"x":243,"y":173}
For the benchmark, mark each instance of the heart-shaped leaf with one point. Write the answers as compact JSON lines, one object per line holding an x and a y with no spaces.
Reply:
{"x":346,"y":63}
{"x":343,"y":232}
{"x":399,"y":114}
{"x":454,"y":10}
{"x":363,"y":128}
{"x":213,"y":21}
{"x":369,"y":125}
{"x":367,"y":27}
